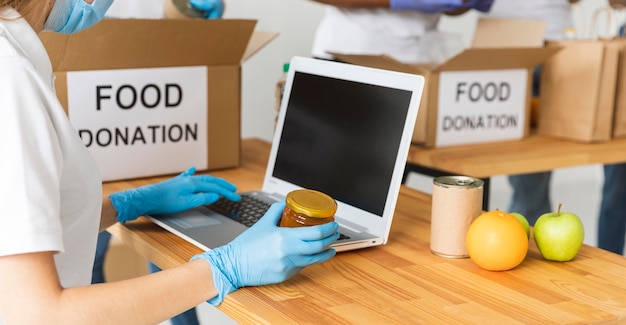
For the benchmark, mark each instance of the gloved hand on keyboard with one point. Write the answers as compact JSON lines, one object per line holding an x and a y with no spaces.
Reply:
{"x":428,"y":6}
{"x":213,"y":8}
{"x":267,"y":253}
{"x":176,"y":194}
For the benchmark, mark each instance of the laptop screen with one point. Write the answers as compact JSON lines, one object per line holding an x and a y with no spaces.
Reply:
{"x":342,"y":138}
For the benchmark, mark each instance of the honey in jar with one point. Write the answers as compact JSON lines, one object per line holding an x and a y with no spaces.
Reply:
{"x":308,"y":208}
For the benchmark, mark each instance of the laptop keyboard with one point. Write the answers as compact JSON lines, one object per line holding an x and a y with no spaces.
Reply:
{"x":246,"y":211}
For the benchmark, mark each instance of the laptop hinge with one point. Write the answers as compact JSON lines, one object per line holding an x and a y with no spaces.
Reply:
{"x":276,"y":196}
{"x":351,"y":225}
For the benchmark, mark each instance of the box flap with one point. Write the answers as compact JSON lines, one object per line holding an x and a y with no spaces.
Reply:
{"x":495,"y":32}
{"x":258,"y":40}
{"x":134,"y":43}
{"x":380,"y":62}
{"x":497,"y":59}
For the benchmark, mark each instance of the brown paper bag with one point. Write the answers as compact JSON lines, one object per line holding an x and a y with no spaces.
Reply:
{"x":578,"y":86}
{"x":619,"y":118}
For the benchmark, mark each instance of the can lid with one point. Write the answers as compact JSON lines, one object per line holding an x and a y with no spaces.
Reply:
{"x":187,"y":9}
{"x":458,"y":181}
{"x":311,"y":203}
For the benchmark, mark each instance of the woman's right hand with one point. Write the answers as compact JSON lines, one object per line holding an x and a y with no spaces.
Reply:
{"x":267,"y":253}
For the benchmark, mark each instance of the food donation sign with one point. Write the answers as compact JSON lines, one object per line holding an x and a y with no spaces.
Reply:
{"x":481,"y":106}
{"x":141,"y":122}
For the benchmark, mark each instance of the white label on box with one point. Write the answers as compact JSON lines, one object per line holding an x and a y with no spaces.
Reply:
{"x":141,"y":122}
{"x":481,"y":106}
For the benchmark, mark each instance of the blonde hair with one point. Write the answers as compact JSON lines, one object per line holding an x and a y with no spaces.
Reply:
{"x":22,"y":6}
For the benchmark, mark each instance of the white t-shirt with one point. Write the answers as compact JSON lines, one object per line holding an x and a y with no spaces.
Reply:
{"x":556,"y":13}
{"x":373,"y":31}
{"x":50,"y":188}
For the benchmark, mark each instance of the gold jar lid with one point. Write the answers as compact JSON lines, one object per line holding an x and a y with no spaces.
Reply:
{"x":311,"y":203}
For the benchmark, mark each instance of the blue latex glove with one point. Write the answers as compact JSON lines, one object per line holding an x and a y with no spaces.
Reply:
{"x":213,"y":8}
{"x":482,"y":5}
{"x":267,"y":253}
{"x":176,"y":194}
{"x":427,"y":6}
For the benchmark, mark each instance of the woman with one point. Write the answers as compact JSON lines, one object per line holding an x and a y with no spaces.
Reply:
{"x":52,"y":205}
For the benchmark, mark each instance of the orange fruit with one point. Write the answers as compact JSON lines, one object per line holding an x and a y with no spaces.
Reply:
{"x":496,"y":241}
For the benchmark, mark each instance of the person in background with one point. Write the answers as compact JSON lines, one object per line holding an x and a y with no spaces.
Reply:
{"x":612,"y":218}
{"x":531,"y":192}
{"x":53,"y":208}
{"x":155,"y":9}
{"x":150,"y":9}
{"x":391,"y":27}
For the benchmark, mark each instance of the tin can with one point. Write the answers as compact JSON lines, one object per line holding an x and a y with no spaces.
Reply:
{"x":456,"y":202}
{"x":180,"y":9}
{"x":308,"y":208}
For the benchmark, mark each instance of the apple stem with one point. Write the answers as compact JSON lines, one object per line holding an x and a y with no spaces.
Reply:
{"x":558,"y":211}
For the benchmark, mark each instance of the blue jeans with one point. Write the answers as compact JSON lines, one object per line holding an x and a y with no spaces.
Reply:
{"x":531,"y":192}
{"x":97,"y":275}
{"x":612,"y":220}
{"x":189,"y":317}
{"x":531,"y":195}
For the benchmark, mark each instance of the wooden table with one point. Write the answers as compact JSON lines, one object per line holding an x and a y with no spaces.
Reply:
{"x":533,"y":154}
{"x":530,"y":155}
{"x":402,"y":282}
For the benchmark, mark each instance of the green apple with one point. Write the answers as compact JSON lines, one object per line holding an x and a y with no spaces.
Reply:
{"x":523,"y":221}
{"x":559,"y":235}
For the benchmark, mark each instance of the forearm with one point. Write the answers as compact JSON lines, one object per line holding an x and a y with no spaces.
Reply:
{"x":379,"y":4}
{"x":34,"y":295}
{"x":457,"y":12}
{"x":617,"y":3}
{"x":149,"y":299}
{"x":356,"y":3}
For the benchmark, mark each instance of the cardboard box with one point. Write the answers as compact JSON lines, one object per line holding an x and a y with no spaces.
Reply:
{"x":154,"y":97}
{"x":483,"y":93}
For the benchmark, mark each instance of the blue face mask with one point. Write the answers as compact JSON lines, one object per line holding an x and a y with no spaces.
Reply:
{"x":72,"y":16}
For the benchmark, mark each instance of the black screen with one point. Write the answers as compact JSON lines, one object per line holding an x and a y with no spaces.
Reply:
{"x":342,"y":138}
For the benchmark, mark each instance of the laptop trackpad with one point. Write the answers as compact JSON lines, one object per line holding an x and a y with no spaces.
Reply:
{"x":193,"y":219}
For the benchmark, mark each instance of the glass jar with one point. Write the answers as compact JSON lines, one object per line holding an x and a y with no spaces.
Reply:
{"x":308,"y":208}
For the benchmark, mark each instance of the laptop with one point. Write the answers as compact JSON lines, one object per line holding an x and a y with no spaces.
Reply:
{"x":342,"y":129}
